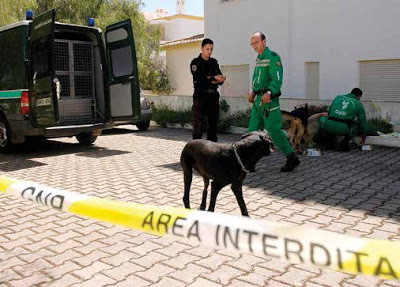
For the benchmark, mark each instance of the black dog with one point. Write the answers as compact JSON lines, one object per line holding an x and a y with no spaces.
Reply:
{"x":224,"y":164}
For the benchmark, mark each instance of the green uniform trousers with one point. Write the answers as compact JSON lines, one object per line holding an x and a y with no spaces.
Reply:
{"x":272,"y":123}
{"x":338,"y":128}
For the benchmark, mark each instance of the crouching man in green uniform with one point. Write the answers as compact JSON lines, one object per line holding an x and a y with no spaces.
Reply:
{"x":266,"y":113}
{"x":342,"y":115}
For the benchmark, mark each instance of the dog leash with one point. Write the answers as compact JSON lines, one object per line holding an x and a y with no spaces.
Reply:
{"x":268,"y":110}
{"x":239,"y":160}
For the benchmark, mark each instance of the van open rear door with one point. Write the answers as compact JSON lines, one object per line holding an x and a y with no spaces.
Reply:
{"x":43,"y":100}
{"x":122,"y":71}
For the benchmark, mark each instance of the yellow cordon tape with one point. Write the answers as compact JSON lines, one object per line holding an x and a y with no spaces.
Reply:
{"x":294,"y":244}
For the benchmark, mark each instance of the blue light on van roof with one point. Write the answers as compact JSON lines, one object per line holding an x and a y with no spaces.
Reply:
{"x":29,"y":15}
{"x":91,"y":22}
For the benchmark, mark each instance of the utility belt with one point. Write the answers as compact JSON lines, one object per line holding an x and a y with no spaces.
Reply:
{"x":263,"y":91}
{"x":267,"y":109}
{"x":205,"y":91}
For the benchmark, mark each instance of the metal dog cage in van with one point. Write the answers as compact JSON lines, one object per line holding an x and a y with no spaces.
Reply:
{"x":59,"y":79}
{"x":73,"y":64}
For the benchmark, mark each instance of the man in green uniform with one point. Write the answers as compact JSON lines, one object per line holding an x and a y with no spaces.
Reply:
{"x":342,"y":113}
{"x":266,"y":113}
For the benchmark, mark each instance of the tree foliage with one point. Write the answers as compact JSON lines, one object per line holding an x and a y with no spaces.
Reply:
{"x":105,"y":12}
{"x":14,"y":10}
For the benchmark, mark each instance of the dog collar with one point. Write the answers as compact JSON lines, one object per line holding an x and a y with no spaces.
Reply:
{"x":239,"y":160}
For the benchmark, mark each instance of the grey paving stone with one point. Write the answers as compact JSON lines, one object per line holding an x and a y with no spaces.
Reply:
{"x":349,"y":193}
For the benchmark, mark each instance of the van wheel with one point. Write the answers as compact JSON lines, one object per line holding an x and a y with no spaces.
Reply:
{"x":86,"y":138}
{"x":5,"y":138}
{"x":143,"y":126}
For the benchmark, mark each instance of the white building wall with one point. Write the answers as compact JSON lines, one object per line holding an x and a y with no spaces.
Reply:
{"x":182,"y":28}
{"x":178,"y":63}
{"x":231,"y":24}
{"x":337,"y":33}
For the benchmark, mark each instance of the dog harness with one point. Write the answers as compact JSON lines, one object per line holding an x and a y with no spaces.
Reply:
{"x":239,"y":160}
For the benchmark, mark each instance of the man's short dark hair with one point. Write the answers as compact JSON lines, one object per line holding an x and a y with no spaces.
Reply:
{"x":206,"y":41}
{"x":356,"y":92}
{"x":261,"y":35}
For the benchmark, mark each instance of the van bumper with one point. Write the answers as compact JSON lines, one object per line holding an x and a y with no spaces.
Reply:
{"x":145,"y":116}
{"x":24,"y":128}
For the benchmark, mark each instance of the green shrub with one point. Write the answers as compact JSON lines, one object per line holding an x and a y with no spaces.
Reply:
{"x":223,"y":121}
{"x":224,"y":107}
{"x":156,"y":79}
{"x":378,"y":124}
{"x":162,"y":84}
{"x":163,"y":115}
{"x":317,"y":109}
{"x":240,"y":119}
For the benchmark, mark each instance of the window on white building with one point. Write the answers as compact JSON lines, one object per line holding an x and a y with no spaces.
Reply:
{"x":237,"y":81}
{"x":312,"y":80}
{"x":380,"y":80}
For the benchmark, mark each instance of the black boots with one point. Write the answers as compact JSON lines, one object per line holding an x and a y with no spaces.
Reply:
{"x":291,"y":162}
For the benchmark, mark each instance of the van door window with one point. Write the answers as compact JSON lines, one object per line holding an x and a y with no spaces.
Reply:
{"x":116,"y":35}
{"x":41,"y":59}
{"x":122,"y":61}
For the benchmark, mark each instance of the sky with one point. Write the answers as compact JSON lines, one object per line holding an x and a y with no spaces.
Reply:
{"x":193,"y":7}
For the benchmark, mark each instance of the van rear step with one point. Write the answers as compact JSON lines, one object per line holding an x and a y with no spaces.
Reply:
{"x":75,"y":129}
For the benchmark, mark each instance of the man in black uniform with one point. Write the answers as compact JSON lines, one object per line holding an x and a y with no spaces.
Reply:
{"x":206,"y":78}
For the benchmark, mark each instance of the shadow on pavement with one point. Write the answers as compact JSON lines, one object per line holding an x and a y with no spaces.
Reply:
{"x":18,"y":164}
{"x":101,"y":153}
{"x":176,"y":166}
{"x":167,"y":134}
{"x":152,"y":132}
{"x":21,"y":156}
{"x":120,"y":131}
{"x":182,"y":135}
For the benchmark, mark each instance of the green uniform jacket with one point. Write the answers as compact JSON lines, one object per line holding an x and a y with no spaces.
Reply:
{"x":268,"y":76}
{"x":348,"y":107}
{"x":268,"y":72}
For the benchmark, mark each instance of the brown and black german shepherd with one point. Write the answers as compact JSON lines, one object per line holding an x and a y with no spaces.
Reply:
{"x":302,"y":127}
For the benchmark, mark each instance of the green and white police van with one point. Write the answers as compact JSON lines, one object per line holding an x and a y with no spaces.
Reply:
{"x":61,"y":80}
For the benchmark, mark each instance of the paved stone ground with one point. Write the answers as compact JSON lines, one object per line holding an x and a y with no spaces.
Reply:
{"x":356,"y":193}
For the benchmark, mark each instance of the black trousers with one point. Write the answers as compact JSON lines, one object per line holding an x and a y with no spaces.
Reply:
{"x":205,"y":105}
